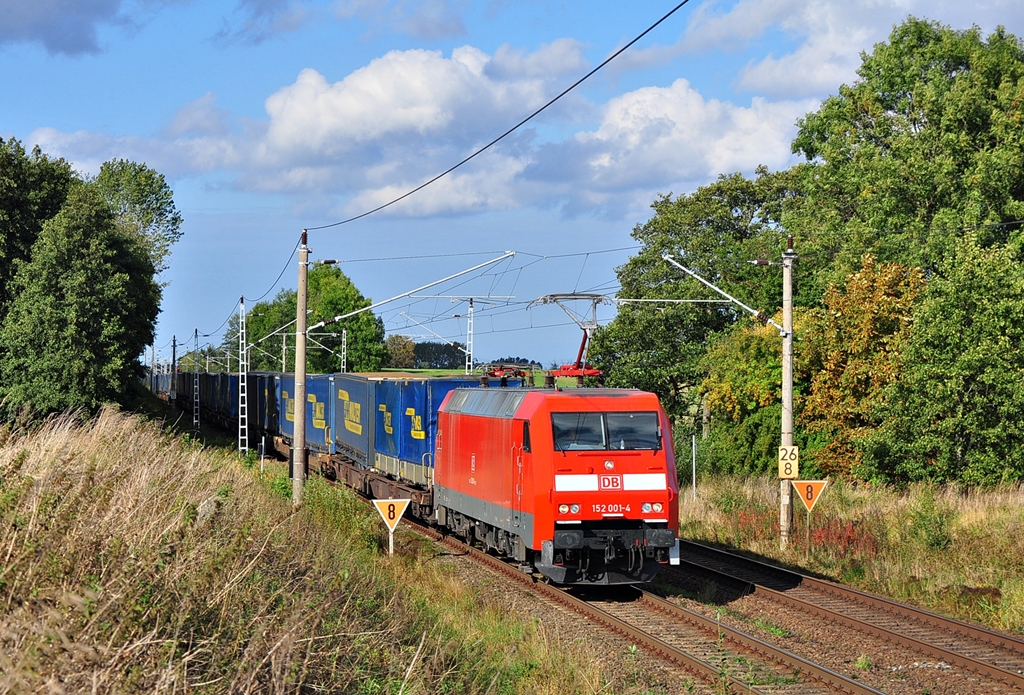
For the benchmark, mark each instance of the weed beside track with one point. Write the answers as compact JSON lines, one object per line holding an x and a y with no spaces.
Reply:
{"x":137,"y":561}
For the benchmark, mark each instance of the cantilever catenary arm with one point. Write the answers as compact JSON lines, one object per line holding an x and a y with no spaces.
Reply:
{"x":756,"y":314}
{"x":507,"y":254}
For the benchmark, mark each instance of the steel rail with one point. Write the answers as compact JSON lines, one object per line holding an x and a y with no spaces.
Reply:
{"x":983,"y":636}
{"x":711,"y":673}
{"x":835,"y":681}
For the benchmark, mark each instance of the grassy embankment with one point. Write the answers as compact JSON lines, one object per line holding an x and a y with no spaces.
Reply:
{"x":953,"y":551}
{"x":137,"y":561}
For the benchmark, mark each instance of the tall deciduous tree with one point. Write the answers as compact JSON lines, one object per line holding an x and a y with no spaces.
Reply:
{"x":853,"y":350}
{"x":330,"y":293}
{"x":144,"y":204}
{"x":714,"y":231}
{"x":401,"y":351}
{"x":33,"y":188}
{"x":927,"y":141}
{"x":85,"y":308}
{"x":957,"y":411}
{"x":743,"y":398}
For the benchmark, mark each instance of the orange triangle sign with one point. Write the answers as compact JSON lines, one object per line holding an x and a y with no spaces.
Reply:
{"x":391,"y":511}
{"x":809,"y":491}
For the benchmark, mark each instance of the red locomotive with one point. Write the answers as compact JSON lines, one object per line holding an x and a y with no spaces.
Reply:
{"x":578,"y":484}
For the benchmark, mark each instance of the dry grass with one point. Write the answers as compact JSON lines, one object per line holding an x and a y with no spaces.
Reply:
{"x":134,"y":561}
{"x":952,"y":550}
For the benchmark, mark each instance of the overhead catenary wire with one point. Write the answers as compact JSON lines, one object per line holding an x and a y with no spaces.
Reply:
{"x":279,"y":276}
{"x":511,"y":130}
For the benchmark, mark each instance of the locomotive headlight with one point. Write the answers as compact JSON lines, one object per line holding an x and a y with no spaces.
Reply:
{"x":608,"y":465}
{"x":563,"y":509}
{"x":575,"y":509}
{"x":658,"y":506}
{"x":646,"y":507}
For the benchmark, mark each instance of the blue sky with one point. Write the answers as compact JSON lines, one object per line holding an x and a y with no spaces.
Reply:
{"x":268,"y":116}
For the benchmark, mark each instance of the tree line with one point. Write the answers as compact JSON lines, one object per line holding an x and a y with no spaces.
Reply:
{"x":79,"y":295}
{"x":907,"y":211}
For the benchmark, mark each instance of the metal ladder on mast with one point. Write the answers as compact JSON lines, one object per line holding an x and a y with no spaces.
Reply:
{"x":469,"y":339}
{"x":344,"y":350}
{"x":195,"y":381}
{"x":243,"y":371}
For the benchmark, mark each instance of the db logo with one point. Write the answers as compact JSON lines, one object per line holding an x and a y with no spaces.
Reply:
{"x":609,"y":482}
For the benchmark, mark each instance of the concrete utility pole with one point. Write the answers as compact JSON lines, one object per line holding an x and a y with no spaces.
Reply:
{"x":299,"y":437}
{"x":786,"y":332}
{"x":785,"y":486}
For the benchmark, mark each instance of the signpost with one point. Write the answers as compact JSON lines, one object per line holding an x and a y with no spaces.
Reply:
{"x":809,"y":491}
{"x":789,"y":462}
{"x":391,"y":512}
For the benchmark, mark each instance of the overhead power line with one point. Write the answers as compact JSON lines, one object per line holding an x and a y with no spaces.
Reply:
{"x":511,"y":130}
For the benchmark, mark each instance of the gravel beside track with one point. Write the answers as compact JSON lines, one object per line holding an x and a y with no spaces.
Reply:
{"x":881,"y":664}
{"x":624,"y":668}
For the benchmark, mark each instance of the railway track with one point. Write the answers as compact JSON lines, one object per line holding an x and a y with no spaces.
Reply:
{"x":988,"y":654}
{"x":721,"y":657}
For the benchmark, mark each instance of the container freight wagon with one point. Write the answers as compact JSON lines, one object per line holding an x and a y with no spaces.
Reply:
{"x":580,"y":484}
{"x":381,"y":430}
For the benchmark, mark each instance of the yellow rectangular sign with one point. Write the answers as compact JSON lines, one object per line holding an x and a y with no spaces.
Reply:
{"x":789,"y":462}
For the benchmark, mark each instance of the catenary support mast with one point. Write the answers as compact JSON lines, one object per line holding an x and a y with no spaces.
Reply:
{"x":243,"y":378}
{"x":299,"y":438}
{"x":785,"y":486}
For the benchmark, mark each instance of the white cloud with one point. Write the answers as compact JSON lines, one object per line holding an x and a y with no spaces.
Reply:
{"x":832,"y":34}
{"x":660,"y":139}
{"x":822,"y":38}
{"x":403,"y":100}
{"x":387,"y":127}
{"x":556,"y":59}
{"x":491,"y":186}
{"x":200,"y":117}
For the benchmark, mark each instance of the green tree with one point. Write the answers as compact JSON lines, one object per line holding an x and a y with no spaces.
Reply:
{"x":714,"y":231}
{"x":401,"y":352}
{"x":32,"y":190}
{"x":742,"y":392}
{"x":144,"y":204}
{"x":433,"y":355}
{"x":85,"y":308}
{"x":926,"y":142}
{"x":920,"y":162}
{"x":957,"y":411}
{"x":330,"y":293}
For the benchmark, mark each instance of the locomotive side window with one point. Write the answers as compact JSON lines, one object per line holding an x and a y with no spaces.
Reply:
{"x":574,"y":431}
{"x":606,"y":431}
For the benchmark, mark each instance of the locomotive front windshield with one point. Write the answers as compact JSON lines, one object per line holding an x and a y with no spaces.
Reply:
{"x":606,"y":431}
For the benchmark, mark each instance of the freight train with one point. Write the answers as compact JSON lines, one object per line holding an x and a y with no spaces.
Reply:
{"x":576,"y":484}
